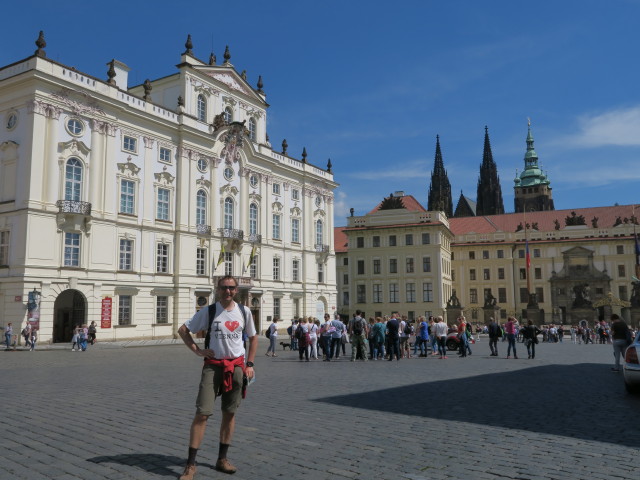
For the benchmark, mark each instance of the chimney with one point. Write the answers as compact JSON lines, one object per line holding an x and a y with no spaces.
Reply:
{"x":122,"y":75}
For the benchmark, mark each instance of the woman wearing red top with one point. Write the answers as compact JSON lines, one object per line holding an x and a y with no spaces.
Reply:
{"x":510,"y":330}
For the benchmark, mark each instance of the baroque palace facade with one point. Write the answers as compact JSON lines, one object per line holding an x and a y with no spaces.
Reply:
{"x":124,"y":205}
{"x":401,"y":257}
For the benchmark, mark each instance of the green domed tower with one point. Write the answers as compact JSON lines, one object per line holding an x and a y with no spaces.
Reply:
{"x":532,"y":190}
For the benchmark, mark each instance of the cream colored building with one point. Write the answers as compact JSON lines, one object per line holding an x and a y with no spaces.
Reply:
{"x":144,"y":196}
{"x":398,"y":260}
{"x":578,"y":257}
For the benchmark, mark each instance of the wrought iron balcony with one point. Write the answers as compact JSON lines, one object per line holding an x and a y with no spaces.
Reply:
{"x":203,"y":229}
{"x":322,"y":248}
{"x":254,"y":238}
{"x":73,"y":206}
{"x":231,"y":233}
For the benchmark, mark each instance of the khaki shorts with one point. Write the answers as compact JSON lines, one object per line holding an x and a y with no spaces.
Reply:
{"x":210,"y":382}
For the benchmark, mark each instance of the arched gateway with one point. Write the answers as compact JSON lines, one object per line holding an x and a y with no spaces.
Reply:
{"x":69,"y":310}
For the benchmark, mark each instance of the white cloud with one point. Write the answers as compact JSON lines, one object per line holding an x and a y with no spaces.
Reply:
{"x":620,"y":127}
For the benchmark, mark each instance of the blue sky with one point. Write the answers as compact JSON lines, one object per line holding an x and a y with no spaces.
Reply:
{"x":370,"y":84}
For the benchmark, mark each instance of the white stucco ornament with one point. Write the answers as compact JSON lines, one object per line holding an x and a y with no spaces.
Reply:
{"x":229,"y":81}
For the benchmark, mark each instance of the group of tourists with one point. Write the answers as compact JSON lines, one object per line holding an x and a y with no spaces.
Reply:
{"x":83,"y":335}
{"x":28,"y":333}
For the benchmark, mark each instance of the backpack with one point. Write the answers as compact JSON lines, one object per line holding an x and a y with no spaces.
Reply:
{"x":357,"y":326}
{"x":267,"y":333}
{"x":299,"y":332}
{"x":408,"y":329}
{"x":289,"y":330}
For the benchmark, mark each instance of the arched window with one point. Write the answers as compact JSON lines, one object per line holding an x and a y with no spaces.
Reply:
{"x":201,"y":207}
{"x":228,"y":213}
{"x":228,"y":115}
{"x":202,"y":108}
{"x":253,"y":219}
{"x":319,"y":232}
{"x":253,"y":129}
{"x":73,"y":180}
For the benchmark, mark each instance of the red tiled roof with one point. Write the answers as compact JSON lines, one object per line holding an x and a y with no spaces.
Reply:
{"x":340,"y":240}
{"x":409,"y":202}
{"x":509,"y":222}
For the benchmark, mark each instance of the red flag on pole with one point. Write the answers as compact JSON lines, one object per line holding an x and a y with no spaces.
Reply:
{"x":528,"y":257}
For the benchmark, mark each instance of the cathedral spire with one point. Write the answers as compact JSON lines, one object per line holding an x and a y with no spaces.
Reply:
{"x":440,"y":188}
{"x":489,"y":199}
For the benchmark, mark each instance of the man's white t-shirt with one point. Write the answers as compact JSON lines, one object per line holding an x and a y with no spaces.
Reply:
{"x":226,"y":330}
{"x":274,"y":330}
{"x":401,"y":330}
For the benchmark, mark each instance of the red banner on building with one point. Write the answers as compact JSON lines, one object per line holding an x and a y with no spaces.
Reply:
{"x":105,"y":316}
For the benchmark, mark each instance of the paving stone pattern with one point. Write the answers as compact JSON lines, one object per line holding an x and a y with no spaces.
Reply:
{"x":124,"y":413}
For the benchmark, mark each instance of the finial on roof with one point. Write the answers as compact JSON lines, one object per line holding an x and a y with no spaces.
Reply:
{"x":188,"y":45}
{"x":528,"y":121}
{"x":227,"y":55}
{"x":284,"y":146}
{"x":212,"y":59}
{"x":41,"y":43}
{"x":304,"y":154}
{"x":180,"y":101}
{"x":243,"y":75}
{"x":147,"y":90}
{"x":111,"y":73}
{"x":329,"y":166}
{"x":260,"y":84}
{"x":486,"y":130}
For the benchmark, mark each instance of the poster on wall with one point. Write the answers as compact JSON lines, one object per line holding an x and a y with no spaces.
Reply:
{"x":33,"y":307}
{"x":105,"y":315}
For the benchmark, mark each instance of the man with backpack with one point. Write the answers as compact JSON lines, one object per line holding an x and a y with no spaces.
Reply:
{"x":225,"y":373}
{"x":272,"y":335}
{"x":495,"y":332}
{"x":405,"y":335}
{"x":358,"y":332}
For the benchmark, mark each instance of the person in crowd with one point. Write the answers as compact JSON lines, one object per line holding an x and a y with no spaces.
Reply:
{"x":26,"y":334}
{"x":393,"y":337}
{"x":314,"y":328}
{"x":422,"y":338}
{"x":405,"y":335}
{"x":33,"y":338}
{"x":358,"y":332}
{"x":560,"y":333}
{"x":325,"y":336}
{"x":292,"y":334}
{"x":510,"y":330}
{"x":432,"y":335}
{"x":75,"y":338}
{"x":337,"y":330}
{"x":441,"y":330}
{"x":92,"y":333}
{"x":462,"y":337}
{"x":224,"y":370}
{"x":530,"y":334}
{"x":304,"y":342}
{"x":8,"y":333}
{"x":573,"y":332}
{"x":621,"y":339}
{"x":378,"y":339}
{"x":495,"y":332}
{"x":273,"y":337}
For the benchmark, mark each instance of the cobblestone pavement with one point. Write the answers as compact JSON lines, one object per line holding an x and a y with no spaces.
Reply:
{"x":124,"y":413}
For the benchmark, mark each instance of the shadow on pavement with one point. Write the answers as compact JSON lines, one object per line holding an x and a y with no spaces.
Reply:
{"x":164,"y":465}
{"x":584,"y":401}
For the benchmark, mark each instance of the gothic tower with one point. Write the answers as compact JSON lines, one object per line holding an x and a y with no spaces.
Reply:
{"x":489,"y":199}
{"x":532,"y":190}
{"x":440,"y":188}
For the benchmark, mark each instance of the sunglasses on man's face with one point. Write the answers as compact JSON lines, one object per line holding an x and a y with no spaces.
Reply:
{"x":226,"y":287}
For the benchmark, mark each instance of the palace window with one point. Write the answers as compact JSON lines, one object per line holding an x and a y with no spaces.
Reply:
{"x":162,"y":309}
{"x":125,"y":261}
{"x":377,"y":293}
{"x":473,"y":295}
{"x":127,"y":197}
{"x":295,"y":270}
{"x":253,"y":219}
{"x":201,"y":261}
{"x":427,"y":292}
{"x":276,"y":226}
{"x":162,"y":258}
{"x":393,"y":265}
{"x":295,"y":230}
{"x":162,"y":209}
{"x":124,"y":309}
{"x":4,"y":247}
{"x":165,"y":155}
{"x":361,"y":292}
{"x":73,"y":180}
{"x":201,"y":207}
{"x":394,"y":294}
{"x":202,"y":109}
{"x":408,"y":239}
{"x":228,"y":213}
{"x":253,"y":128}
{"x":276,"y":268}
{"x":129,"y":144}
{"x":409,"y":264}
{"x":411,"y":292}
{"x":71,"y":249}
{"x":376,"y":266}
{"x":426,"y":264}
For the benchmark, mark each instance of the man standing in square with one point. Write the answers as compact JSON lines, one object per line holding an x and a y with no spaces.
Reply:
{"x":223,"y":371}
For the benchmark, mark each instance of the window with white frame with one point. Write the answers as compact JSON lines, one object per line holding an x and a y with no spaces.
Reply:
{"x":253,"y":129}
{"x":276,"y":307}
{"x":129,"y":144}
{"x":228,"y":115}
{"x":253,"y":219}
{"x":427,"y":292}
{"x":73,"y":180}
{"x":165,"y":155}
{"x":228,"y":213}
{"x":127,"y":196}
{"x":124,"y":309}
{"x":321,"y":273}
{"x":319,"y":232}
{"x":253,"y":267}
{"x":201,"y":207}
{"x":162,"y":309}
{"x":163,"y":205}
{"x":295,"y":270}
{"x":409,"y":264}
{"x":377,"y":293}
{"x":295,"y":230}
{"x":71,"y":249}
{"x":228,"y":263}
{"x":201,"y":261}
{"x":394,"y":294}
{"x":426,"y":239}
{"x":426,"y":264}
{"x":4,"y":247}
{"x":75,"y":127}
{"x":276,"y":189}
{"x":125,"y":261}
{"x":276,"y":268}
{"x":276,"y":226}
{"x":295,"y":194}
{"x":361,"y":294}
{"x":162,"y":258}
{"x":411,"y":292}
{"x":202,"y":108}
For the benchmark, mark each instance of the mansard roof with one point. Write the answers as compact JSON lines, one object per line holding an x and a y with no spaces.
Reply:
{"x":607,"y":217}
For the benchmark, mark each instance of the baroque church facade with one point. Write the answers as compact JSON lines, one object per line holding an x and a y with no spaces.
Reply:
{"x":124,"y":205}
